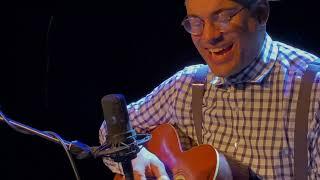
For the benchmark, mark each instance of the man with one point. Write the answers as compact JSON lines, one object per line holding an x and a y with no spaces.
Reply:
{"x":250,"y":98}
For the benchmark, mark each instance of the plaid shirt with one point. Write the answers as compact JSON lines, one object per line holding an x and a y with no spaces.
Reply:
{"x":250,"y":115}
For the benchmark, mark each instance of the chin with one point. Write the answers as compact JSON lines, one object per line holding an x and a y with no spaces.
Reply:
{"x":220,"y":72}
{"x":224,"y":70}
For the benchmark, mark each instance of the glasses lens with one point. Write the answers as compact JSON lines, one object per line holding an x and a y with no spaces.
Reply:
{"x":193,"y":25}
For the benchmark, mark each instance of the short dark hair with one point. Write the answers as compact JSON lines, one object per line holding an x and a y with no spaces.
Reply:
{"x":245,"y":3}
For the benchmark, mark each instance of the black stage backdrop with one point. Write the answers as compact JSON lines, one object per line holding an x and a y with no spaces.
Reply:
{"x":53,"y":78}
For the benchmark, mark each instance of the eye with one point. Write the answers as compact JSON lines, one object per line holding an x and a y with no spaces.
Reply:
{"x":223,"y":15}
{"x":195,"y":21}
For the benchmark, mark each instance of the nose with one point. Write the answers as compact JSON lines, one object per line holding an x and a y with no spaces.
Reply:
{"x":211,"y":33}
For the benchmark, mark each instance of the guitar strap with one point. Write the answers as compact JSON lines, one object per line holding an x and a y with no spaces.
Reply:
{"x":300,"y":134}
{"x":198,"y":87}
{"x":301,"y":124}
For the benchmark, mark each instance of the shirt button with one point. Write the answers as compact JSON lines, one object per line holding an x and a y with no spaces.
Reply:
{"x":236,"y":145}
{"x":236,"y":110}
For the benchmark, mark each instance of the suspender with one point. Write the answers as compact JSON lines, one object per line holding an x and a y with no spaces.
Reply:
{"x":198,"y":86}
{"x":301,"y":124}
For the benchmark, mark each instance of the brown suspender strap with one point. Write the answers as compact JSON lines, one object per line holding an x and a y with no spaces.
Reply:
{"x":198,"y":87}
{"x":197,"y":96}
{"x":301,"y":123}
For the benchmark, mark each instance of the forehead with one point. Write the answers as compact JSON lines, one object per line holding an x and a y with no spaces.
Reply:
{"x":209,"y":6}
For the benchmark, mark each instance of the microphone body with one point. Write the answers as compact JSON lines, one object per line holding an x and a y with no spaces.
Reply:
{"x":121,"y":136}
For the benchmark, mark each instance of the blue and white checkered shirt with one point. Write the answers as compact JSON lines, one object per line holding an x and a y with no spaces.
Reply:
{"x":250,"y":116}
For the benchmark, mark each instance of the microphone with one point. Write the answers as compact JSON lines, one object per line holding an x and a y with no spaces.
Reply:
{"x":122,"y":141}
{"x":116,"y":116}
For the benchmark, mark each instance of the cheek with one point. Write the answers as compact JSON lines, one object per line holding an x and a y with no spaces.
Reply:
{"x":243,"y":34}
{"x":252,"y":25}
{"x":238,"y":52}
{"x":244,"y":24}
{"x":196,"y":42}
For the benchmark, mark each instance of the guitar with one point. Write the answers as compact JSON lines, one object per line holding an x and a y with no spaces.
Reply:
{"x":198,"y":163}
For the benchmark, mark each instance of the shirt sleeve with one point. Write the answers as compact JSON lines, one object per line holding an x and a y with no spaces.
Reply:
{"x":148,"y":112}
{"x":113,"y":166}
{"x":155,"y":108}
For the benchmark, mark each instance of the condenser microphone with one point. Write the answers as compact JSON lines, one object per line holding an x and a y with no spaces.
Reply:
{"x":116,"y":116}
{"x":122,"y":140}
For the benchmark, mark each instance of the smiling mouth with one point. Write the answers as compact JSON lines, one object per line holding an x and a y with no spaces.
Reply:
{"x":221,"y":51}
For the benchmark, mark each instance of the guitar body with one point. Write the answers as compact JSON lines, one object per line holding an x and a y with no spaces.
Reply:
{"x":198,"y":163}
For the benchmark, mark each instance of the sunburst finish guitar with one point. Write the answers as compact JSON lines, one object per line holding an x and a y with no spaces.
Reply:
{"x":198,"y":163}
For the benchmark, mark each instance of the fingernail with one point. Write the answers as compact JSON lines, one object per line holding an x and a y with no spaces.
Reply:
{"x":163,"y":178}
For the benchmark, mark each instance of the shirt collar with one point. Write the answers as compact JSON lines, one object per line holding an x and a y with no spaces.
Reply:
{"x":256,"y":71}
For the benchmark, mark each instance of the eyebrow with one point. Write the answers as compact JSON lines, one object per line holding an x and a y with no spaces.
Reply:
{"x":215,"y":12}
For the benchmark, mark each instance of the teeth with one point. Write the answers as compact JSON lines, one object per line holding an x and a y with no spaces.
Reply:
{"x":215,"y":50}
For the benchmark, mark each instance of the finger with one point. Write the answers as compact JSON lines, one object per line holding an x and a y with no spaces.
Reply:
{"x":139,"y":171}
{"x":139,"y":176}
{"x":118,"y":177}
{"x":158,"y":169}
{"x":136,"y":176}
{"x":163,"y":178}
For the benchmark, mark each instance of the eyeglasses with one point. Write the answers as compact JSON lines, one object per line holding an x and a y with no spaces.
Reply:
{"x":194,"y":24}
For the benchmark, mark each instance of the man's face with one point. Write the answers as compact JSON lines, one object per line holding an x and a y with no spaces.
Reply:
{"x":229,"y":49}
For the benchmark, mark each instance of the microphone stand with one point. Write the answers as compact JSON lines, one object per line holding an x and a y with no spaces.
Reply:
{"x":77,"y":148}
{"x":123,"y":153}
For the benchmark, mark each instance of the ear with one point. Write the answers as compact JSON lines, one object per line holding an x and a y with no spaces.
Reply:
{"x":260,"y":10}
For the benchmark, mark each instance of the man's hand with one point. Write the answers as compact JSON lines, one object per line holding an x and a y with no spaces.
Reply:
{"x":146,"y":164}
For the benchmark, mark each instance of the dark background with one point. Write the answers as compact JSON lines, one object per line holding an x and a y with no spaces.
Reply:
{"x":53,"y":78}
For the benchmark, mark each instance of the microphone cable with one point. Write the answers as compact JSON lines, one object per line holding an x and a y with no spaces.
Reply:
{"x":71,"y":160}
{"x":46,"y":96}
{"x":47,"y":62}
{"x":46,"y":103}
{"x":50,"y":133}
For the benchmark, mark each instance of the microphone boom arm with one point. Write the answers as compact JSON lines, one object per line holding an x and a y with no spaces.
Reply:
{"x":77,"y":148}
{"x":122,"y":151}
